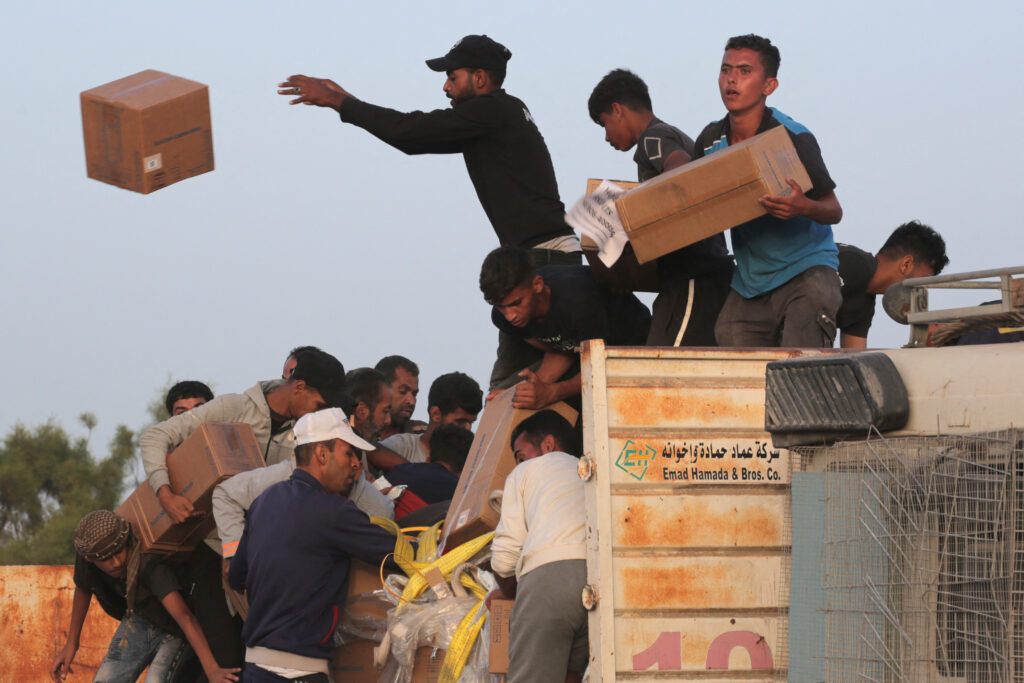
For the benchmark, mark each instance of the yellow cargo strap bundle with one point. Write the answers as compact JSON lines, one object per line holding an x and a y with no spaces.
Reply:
{"x":454,"y":569}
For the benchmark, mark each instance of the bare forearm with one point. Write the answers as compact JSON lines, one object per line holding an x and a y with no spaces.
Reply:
{"x":826,"y":210}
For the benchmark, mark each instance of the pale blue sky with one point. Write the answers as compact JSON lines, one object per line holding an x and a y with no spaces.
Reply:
{"x":313,"y":232}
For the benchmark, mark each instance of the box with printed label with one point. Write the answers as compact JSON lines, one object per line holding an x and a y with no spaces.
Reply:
{"x":489,"y":462}
{"x":501,"y":615}
{"x":709,"y":195}
{"x":211,"y":454}
{"x":146,"y":131}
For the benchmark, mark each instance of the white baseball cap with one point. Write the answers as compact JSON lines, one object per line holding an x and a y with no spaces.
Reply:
{"x":327,"y":425}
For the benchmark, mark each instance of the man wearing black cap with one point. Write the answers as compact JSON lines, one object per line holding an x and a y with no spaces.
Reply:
{"x":504,"y":151}
{"x":271,"y":408}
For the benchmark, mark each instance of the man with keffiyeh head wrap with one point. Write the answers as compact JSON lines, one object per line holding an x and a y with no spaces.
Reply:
{"x":144,"y":596}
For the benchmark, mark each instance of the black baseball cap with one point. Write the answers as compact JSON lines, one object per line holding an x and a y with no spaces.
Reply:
{"x":325,"y":373}
{"x":473,"y":51}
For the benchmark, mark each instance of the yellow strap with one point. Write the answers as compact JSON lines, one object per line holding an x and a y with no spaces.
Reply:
{"x":462,"y":644}
{"x":445,"y":564}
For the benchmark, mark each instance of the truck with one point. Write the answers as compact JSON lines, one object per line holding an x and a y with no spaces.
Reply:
{"x":808,"y":514}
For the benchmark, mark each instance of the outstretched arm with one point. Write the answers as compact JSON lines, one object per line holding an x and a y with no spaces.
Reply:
{"x":61,"y":666}
{"x":319,"y":92}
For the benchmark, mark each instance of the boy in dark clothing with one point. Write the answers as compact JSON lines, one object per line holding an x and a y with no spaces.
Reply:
{"x":144,"y":597}
{"x":694,"y":280}
{"x":913,"y":250}
{"x":556,"y":308}
{"x":785,"y":290}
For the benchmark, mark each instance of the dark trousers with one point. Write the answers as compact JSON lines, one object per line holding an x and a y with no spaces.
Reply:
{"x":222,"y":630}
{"x":800,"y":313}
{"x":694,"y":303}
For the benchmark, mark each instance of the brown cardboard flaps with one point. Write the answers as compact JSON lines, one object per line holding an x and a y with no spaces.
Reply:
{"x":709,"y":195}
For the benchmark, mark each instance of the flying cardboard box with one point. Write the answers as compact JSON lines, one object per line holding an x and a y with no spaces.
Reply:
{"x":211,"y":454}
{"x":626,"y":274}
{"x":501,"y":616}
{"x":146,"y":131}
{"x":489,"y":462}
{"x":709,"y":195}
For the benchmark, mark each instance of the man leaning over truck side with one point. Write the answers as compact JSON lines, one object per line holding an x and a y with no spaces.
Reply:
{"x":554,"y":309}
{"x":785,"y":290}
{"x":912,"y":250}
{"x":539,"y":552}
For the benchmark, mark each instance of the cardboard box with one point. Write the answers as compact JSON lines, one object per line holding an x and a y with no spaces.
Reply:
{"x":488,"y":464}
{"x":353,"y":663}
{"x":363,"y":579}
{"x":427,"y":665}
{"x":626,"y":274}
{"x":146,"y":131}
{"x":211,"y":454}
{"x":709,"y":195}
{"x":501,"y":615}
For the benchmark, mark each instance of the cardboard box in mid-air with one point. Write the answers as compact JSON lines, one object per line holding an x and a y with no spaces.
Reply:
{"x":146,"y":131}
{"x":709,"y":195}
{"x":489,"y":462}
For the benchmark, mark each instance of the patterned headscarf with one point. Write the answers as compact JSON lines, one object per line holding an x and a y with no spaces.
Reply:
{"x":100,"y":535}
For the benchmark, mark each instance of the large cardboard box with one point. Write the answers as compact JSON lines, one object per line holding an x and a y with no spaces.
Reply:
{"x":147,"y":130}
{"x":501,"y":616}
{"x":353,"y":663}
{"x":709,"y":195}
{"x":364,"y":579}
{"x":488,"y":464}
{"x":211,"y":454}
{"x":626,"y":274}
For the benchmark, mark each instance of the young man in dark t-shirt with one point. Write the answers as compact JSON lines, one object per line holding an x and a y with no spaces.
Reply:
{"x":913,"y":250}
{"x":785,"y":289}
{"x":693,"y":281}
{"x":556,"y":308}
{"x":144,"y":596}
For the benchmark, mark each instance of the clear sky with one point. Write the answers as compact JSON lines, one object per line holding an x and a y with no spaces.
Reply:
{"x":310,"y":231}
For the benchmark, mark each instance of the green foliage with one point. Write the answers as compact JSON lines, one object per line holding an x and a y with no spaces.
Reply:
{"x":48,"y":482}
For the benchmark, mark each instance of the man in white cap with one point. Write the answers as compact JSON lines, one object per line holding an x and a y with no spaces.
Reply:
{"x":293,"y":559}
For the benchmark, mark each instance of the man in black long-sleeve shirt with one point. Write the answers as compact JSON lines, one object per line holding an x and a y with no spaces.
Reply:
{"x":505,"y":154}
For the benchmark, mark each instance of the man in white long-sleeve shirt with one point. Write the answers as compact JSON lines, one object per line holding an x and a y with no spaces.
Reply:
{"x":539,"y":552}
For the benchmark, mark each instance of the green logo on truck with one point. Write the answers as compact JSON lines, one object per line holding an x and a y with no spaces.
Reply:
{"x":634,"y":459}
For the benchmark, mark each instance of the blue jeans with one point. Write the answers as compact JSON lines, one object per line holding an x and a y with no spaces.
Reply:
{"x":137,"y":644}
